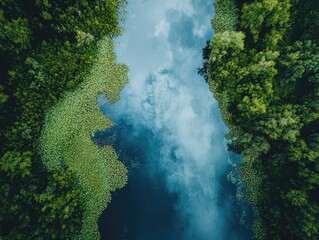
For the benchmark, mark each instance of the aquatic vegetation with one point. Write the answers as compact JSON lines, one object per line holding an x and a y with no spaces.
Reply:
{"x":68,"y":129}
{"x":226,"y":16}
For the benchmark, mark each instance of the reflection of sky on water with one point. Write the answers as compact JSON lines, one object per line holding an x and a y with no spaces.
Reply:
{"x":162,"y":45}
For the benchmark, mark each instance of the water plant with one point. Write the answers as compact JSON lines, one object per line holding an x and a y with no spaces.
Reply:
{"x":66,"y":137}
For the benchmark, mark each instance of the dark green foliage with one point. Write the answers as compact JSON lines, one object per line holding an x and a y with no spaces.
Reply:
{"x":265,"y":75}
{"x":28,"y":209}
{"x":60,"y":207}
{"x":46,"y":47}
{"x":205,"y":55}
{"x":306,"y":20}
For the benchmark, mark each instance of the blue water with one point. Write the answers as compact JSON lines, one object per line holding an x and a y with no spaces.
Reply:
{"x":169,"y":132}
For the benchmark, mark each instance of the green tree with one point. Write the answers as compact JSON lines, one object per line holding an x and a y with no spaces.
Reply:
{"x":46,"y":48}
{"x":265,"y":76}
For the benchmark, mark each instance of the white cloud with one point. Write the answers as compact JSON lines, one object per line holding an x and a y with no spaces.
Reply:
{"x":162,"y":29}
{"x":167,"y":96}
{"x":184,"y":6}
{"x":200,"y":30}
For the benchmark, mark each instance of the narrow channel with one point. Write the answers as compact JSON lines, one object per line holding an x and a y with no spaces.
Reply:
{"x":169,"y":132}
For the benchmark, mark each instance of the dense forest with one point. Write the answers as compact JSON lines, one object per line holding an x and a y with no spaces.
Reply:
{"x":47,"y":49}
{"x":263,"y":67}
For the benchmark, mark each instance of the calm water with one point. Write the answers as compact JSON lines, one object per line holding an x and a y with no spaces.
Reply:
{"x":169,"y":132}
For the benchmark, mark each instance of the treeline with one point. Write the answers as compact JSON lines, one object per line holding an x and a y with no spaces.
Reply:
{"x":46,"y":48}
{"x":263,"y":67}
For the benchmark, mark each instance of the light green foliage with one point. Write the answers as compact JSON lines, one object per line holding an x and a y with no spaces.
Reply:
{"x":253,"y":146}
{"x":84,"y":38}
{"x":272,"y":14}
{"x":253,"y":105}
{"x":256,"y":88}
{"x":263,"y":67}
{"x":226,"y":16}
{"x":223,"y":46}
{"x":282,"y":122}
{"x":228,"y":42}
{"x":66,"y":138}
{"x":297,"y":198}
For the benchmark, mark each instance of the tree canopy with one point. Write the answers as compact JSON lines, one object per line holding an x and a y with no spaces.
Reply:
{"x":47,"y":48}
{"x":264,"y":72}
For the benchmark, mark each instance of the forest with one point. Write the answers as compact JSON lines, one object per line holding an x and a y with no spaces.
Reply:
{"x":56,"y":57}
{"x":262,"y":66}
{"x":48,"y":52}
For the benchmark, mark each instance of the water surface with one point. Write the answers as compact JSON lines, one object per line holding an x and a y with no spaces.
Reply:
{"x":169,"y":131}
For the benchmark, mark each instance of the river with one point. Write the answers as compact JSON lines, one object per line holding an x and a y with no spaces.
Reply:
{"x":169,"y":132}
